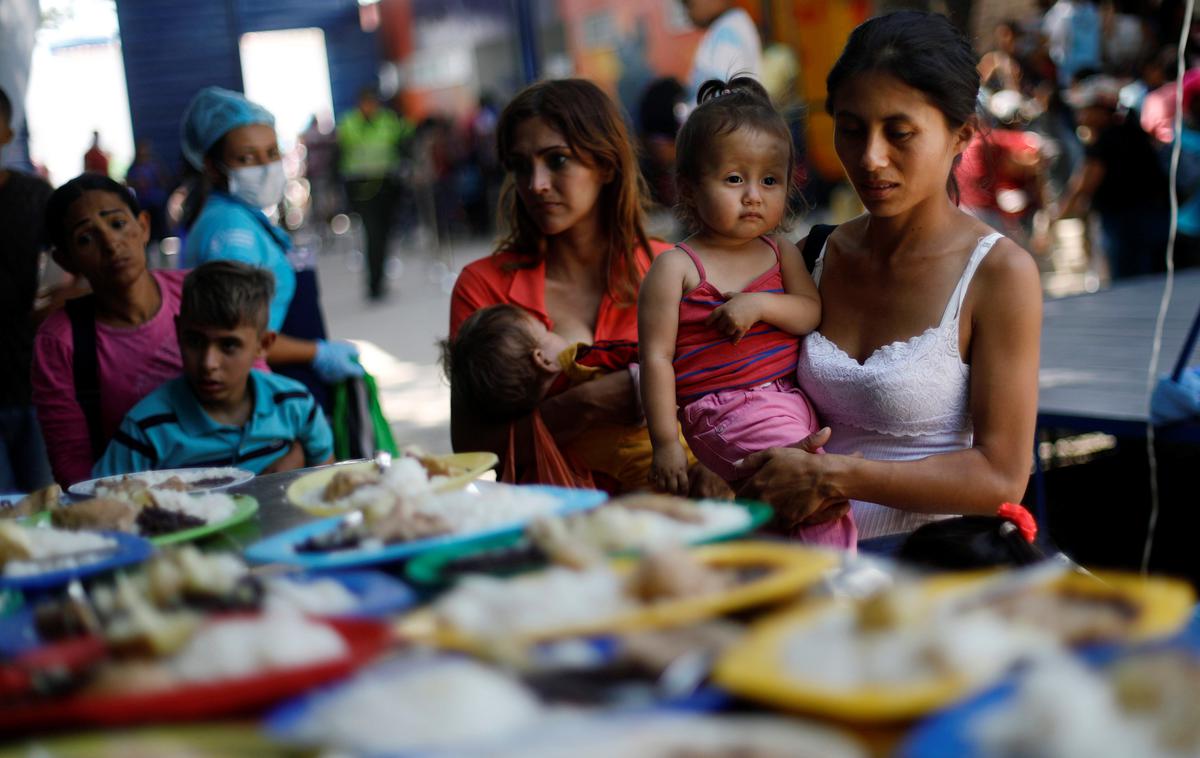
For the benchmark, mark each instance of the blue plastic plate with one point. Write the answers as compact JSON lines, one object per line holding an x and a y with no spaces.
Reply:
{"x":281,"y":547}
{"x":130,"y":549}
{"x":378,"y":596}
{"x":948,"y":735}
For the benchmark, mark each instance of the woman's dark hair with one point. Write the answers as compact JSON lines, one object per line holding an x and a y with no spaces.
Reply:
{"x":201,"y":186}
{"x":593,"y":128}
{"x":724,"y":107}
{"x":923,"y":50}
{"x":969,"y":542}
{"x":65,"y":196}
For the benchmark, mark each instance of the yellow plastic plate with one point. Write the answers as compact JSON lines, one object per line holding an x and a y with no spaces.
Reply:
{"x":1163,"y":605}
{"x":791,"y":569}
{"x":755,"y":667}
{"x":472,"y":466}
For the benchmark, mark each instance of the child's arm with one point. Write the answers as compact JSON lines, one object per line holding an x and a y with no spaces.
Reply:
{"x":130,"y":451}
{"x":658,"y":324}
{"x":796,"y":311}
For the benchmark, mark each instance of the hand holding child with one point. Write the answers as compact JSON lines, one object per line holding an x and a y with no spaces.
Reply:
{"x":668,"y":471}
{"x":736,"y":316}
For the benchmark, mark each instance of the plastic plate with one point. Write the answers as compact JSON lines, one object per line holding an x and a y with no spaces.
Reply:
{"x":244,"y":507}
{"x":472,"y":466}
{"x":230,"y":477}
{"x":365,"y":640}
{"x":430,"y":568}
{"x":756,"y":667}
{"x":281,"y":548}
{"x":129,"y":550}
{"x":790,"y":568}
{"x":376,"y":596}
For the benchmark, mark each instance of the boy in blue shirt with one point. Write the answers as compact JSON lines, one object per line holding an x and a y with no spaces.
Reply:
{"x":222,"y":411}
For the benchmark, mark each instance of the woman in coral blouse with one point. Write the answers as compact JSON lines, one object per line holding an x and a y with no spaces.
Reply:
{"x":574,"y":255}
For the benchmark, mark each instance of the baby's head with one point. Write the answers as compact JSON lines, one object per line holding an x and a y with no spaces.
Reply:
{"x":502,"y":362}
{"x":736,"y":163}
{"x":222,"y":328}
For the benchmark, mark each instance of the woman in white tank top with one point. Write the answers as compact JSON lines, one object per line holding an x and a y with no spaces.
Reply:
{"x":926,"y":358}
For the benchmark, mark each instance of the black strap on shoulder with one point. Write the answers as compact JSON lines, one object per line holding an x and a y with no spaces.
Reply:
{"x":815,"y":242}
{"x":86,"y":367}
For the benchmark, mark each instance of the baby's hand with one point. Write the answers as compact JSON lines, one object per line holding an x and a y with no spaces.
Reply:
{"x":668,"y":471}
{"x":735,"y":317}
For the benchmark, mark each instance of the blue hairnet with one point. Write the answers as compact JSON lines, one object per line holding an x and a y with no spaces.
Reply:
{"x":212,"y":114}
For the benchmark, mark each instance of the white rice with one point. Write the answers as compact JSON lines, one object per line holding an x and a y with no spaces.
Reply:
{"x":484,"y":606}
{"x":978,"y":646}
{"x":469,"y":511}
{"x":405,"y":478}
{"x":441,"y":703}
{"x":614,"y":527}
{"x":46,"y":543}
{"x":320,"y":597}
{"x":242,"y":647}
{"x":1063,"y":709}
{"x":211,"y":508}
{"x":187,"y":476}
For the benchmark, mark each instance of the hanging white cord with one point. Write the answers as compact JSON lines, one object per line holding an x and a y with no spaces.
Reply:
{"x":1169,"y":289}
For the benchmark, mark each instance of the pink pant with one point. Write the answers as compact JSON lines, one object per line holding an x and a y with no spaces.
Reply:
{"x":723,"y":427}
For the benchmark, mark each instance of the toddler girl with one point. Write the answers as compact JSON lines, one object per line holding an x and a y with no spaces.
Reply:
{"x":719,"y":316}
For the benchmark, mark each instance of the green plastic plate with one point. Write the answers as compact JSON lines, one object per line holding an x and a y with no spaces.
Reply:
{"x":244,"y":507}
{"x":428,"y":569}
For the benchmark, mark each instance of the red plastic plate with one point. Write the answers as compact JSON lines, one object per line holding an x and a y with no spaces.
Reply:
{"x":366,"y":639}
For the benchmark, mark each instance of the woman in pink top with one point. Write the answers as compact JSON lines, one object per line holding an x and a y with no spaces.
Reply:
{"x":98,"y":232}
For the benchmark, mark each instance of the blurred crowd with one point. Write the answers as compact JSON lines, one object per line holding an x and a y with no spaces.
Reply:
{"x":1079,"y":101}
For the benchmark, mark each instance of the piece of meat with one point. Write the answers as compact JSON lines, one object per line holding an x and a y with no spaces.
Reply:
{"x":344,"y":483}
{"x":673,"y":575}
{"x":677,"y":508}
{"x":405,"y":524}
{"x":97,"y":513}
{"x":174,"y":483}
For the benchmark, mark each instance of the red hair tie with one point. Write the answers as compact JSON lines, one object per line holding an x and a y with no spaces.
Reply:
{"x":1021,"y":517}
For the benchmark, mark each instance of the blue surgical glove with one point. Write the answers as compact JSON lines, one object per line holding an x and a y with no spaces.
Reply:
{"x":336,"y":361}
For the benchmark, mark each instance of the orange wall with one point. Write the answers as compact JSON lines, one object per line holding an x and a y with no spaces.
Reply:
{"x":817,"y":30}
{"x":668,"y":50}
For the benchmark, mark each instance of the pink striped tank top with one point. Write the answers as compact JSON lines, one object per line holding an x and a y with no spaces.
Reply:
{"x":707,"y":361}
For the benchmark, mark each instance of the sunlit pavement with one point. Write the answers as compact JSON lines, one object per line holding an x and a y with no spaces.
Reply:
{"x":398,"y":336}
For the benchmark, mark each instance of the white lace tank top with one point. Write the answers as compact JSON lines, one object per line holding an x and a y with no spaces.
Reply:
{"x":908,"y":400}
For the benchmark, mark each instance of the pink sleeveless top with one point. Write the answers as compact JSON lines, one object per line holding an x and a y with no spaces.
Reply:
{"x":707,"y":361}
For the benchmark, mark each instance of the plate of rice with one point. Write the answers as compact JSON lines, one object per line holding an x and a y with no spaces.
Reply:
{"x":33,"y":558}
{"x":346,"y":487}
{"x":625,"y":525}
{"x":165,"y":517}
{"x":182,"y":479}
{"x":417,"y":523}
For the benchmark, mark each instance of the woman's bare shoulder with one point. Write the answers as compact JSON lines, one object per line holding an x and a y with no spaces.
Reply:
{"x":1008,"y":264}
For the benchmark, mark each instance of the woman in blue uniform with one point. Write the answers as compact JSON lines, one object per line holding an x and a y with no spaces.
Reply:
{"x":232,"y":141}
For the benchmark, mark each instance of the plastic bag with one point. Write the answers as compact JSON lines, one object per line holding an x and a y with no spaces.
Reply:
{"x":550,"y":465}
{"x":1176,"y":400}
{"x":359,"y":427}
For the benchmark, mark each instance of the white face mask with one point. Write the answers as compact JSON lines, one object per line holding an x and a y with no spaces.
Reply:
{"x":260,"y":186}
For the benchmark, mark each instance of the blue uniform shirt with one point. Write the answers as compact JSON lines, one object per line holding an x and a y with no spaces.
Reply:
{"x":229,"y":229}
{"x":169,"y":429}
